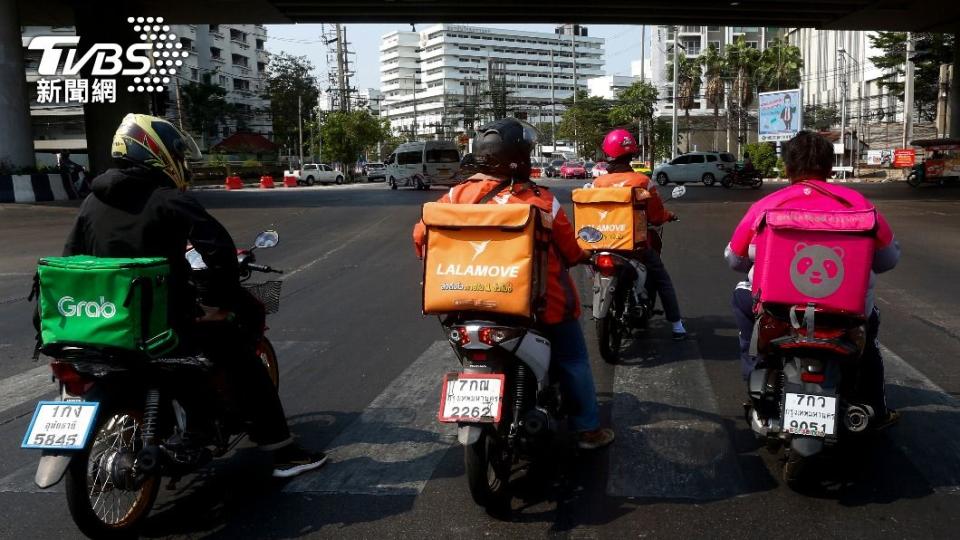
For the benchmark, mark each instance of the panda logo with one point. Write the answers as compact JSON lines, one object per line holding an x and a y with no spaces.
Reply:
{"x":816,"y":270}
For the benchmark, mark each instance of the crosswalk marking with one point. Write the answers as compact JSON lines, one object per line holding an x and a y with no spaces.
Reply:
{"x":929,"y":431}
{"x":671,"y":443}
{"x":24,"y":387}
{"x":396,"y":443}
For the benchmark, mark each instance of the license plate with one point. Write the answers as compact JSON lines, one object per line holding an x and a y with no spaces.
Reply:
{"x":471,"y":397}
{"x":60,"y":425}
{"x":810,"y":414}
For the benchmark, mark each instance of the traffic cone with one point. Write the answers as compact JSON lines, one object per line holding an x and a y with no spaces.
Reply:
{"x":266,"y":182}
{"x":234,"y":182}
{"x":289,"y":181}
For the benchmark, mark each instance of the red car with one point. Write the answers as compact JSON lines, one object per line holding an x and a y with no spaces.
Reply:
{"x":573,"y":169}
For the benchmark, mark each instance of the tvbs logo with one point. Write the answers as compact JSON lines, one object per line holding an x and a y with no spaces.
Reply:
{"x":107,"y":59}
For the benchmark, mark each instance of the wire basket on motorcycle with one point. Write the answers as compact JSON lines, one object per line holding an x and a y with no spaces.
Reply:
{"x":268,"y":293}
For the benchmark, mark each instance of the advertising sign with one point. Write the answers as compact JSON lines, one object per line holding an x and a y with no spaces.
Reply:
{"x":781,"y":115}
{"x":880,"y":157}
{"x":904,"y":157}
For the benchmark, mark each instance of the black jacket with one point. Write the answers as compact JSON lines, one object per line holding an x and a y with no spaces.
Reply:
{"x":138,"y":213}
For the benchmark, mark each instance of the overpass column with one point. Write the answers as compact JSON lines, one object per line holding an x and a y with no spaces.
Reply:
{"x":101,"y":23}
{"x":954,"y":99}
{"x":17,"y":147}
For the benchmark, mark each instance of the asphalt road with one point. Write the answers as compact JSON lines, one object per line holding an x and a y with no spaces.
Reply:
{"x":360,"y":371}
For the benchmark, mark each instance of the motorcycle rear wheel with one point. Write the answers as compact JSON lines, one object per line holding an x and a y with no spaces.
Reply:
{"x":98,"y":507}
{"x":610,"y":336}
{"x":726,"y":181}
{"x":757,"y":183}
{"x":488,"y":467}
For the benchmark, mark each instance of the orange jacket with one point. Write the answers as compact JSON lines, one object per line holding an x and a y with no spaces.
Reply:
{"x":563,"y":300}
{"x":656,"y":213}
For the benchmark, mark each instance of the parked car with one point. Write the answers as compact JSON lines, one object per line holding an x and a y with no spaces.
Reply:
{"x":423,"y":164}
{"x":573,"y":169}
{"x":599,"y":169}
{"x":375,"y":172}
{"x":552,"y":170}
{"x":706,"y":167}
{"x":311,"y":173}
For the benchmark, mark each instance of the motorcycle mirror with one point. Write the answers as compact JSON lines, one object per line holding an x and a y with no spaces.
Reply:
{"x":267,"y":239}
{"x":589,"y":235}
{"x":195,"y":260}
{"x":678,"y":192}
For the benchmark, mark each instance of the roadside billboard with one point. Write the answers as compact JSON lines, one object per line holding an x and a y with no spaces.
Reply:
{"x":904,"y":157}
{"x":880,"y":157}
{"x":781,"y":115}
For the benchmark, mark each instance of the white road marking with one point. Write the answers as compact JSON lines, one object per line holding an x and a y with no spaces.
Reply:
{"x":343,"y":244}
{"x":929,"y":430}
{"x":671,"y":443}
{"x":397,"y":442}
{"x":26,"y":386}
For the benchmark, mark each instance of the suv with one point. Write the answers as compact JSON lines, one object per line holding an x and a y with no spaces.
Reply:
{"x":376,"y":172}
{"x":706,"y":167}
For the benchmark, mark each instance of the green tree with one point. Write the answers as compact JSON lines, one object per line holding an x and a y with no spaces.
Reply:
{"x":780,"y":67}
{"x":689,"y":81}
{"x":931,"y":51}
{"x":742,"y":61}
{"x":347,"y":135}
{"x":661,"y":133}
{"x":820,"y":117}
{"x":763,"y":155}
{"x":714,"y":69}
{"x":635,"y":104}
{"x":289,"y":79}
{"x":585,"y":122}
{"x":205,"y":107}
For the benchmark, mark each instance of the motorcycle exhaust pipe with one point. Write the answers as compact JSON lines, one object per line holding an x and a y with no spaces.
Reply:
{"x":857,"y":418}
{"x":537,"y":423}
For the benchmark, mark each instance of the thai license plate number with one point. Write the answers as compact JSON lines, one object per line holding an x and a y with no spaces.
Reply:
{"x":470,"y":397}
{"x":60,"y":425}
{"x":809,"y":414}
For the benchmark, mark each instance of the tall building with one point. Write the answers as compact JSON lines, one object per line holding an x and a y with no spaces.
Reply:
{"x":448,"y":79}
{"x":234,"y":56}
{"x":610,"y":86}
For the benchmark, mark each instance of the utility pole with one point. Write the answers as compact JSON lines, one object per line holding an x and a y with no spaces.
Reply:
{"x":640,"y":133}
{"x":179,"y":107}
{"x":908,"y":94}
{"x":300,"y":129}
{"x":553,"y":106}
{"x":341,"y":80}
{"x":942,"y":99}
{"x":676,"y":71}
{"x":313,"y":117}
{"x":842,"y":70}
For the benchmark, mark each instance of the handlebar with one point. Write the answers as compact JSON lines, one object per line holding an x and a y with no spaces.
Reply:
{"x":263,"y":268}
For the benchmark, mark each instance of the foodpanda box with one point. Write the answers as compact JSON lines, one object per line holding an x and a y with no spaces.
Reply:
{"x":619,"y":213}
{"x":818,"y":257}
{"x":485,"y":257}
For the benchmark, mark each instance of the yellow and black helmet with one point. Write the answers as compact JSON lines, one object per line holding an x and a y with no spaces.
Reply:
{"x":154,"y":143}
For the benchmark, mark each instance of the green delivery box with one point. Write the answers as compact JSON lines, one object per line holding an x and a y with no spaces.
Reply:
{"x":118,"y":304}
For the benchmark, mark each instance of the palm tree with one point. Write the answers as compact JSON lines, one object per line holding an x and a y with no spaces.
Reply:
{"x":742,"y":61}
{"x":714,"y":65}
{"x":688,"y":86}
{"x":780,"y":67}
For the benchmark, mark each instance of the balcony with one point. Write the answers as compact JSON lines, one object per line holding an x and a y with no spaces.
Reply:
{"x":690,"y":29}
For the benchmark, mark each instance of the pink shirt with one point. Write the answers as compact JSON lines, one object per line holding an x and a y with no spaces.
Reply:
{"x":803,"y":197}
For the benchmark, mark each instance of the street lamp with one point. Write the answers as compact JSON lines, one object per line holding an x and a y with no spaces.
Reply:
{"x":842,"y":53}
{"x":676,"y":68}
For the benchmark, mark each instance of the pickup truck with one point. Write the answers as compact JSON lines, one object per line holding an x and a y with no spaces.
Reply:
{"x":316,"y":172}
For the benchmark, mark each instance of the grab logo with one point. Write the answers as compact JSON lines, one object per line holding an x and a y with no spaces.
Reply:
{"x":68,"y":307}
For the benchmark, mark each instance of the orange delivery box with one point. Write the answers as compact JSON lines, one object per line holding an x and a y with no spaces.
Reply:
{"x":619,"y":213}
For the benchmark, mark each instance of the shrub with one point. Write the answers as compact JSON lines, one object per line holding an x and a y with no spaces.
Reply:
{"x":764,"y":156}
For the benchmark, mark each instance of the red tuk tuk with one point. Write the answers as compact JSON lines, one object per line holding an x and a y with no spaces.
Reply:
{"x":938,"y":161}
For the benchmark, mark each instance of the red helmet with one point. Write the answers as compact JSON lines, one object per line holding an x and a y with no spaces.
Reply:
{"x":619,"y":142}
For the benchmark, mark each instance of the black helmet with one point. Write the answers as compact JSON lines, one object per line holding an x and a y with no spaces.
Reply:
{"x":503,"y":148}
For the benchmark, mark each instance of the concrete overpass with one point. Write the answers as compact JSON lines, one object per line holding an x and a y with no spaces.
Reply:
{"x":104,"y":21}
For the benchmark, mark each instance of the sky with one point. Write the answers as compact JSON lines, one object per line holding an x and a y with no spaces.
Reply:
{"x":622,"y":45}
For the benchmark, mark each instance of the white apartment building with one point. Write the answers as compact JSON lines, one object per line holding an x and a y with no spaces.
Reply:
{"x":235,"y":58}
{"x":434,"y":78}
{"x":695,"y":40}
{"x":369,"y":99}
{"x":609,"y":86}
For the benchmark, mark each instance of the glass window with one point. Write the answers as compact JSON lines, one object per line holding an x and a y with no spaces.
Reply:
{"x":408,"y":158}
{"x":443,"y":155}
{"x":727,"y":157}
{"x":681,"y":160}
{"x":696,"y":159}
{"x":711,"y":158}
{"x":390,"y":159}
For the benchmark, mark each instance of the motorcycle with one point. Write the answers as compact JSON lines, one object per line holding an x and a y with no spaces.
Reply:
{"x":621,"y":300}
{"x":504,"y":400}
{"x":802,"y":392}
{"x":740,"y":177}
{"x":136,"y":420}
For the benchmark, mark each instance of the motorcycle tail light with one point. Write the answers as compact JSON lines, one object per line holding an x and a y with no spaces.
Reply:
{"x":477,"y":356}
{"x":606,"y":265}
{"x":809,"y":377}
{"x":492,"y":335}
{"x":75,"y":383}
{"x":459,"y":335}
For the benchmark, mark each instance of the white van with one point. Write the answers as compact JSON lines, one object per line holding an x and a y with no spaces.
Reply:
{"x":423,"y":164}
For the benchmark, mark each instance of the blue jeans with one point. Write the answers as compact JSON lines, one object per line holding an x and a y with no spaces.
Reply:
{"x":571,"y":362}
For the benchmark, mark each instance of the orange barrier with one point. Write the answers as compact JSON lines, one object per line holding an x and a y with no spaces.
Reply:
{"x":289,"y":181}
{"x":266,"y":182}
{"x":234,"y":182}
